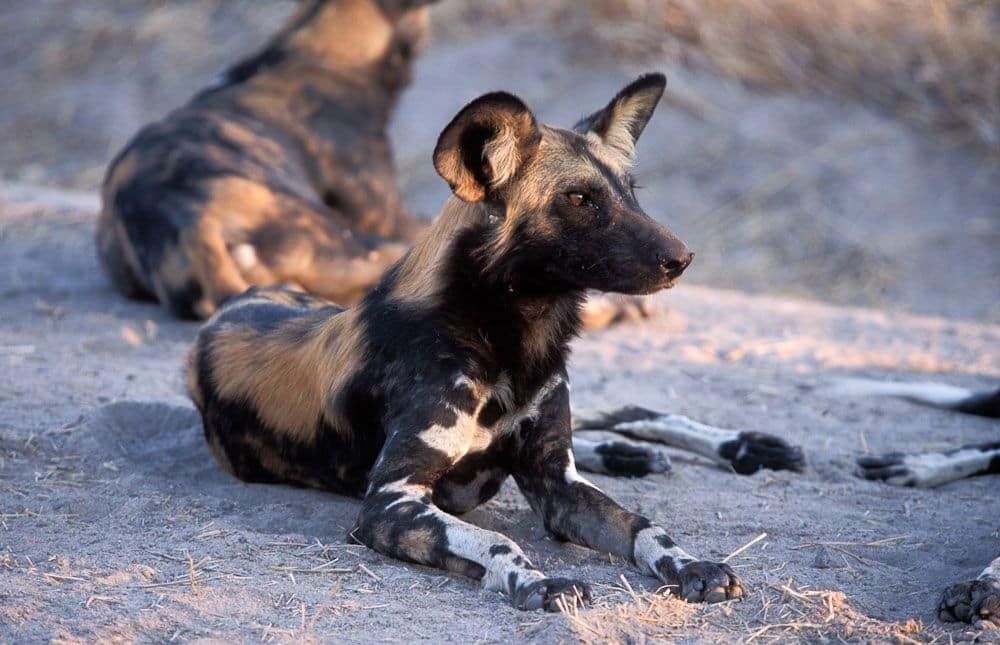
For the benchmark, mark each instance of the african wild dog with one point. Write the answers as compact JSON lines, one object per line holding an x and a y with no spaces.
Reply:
{"x":970,"y":601}
{"x":280,"y":171}
{"x":450,"y":375}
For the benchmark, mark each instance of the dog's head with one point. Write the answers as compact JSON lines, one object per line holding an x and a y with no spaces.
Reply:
{"x":562,"y":201}
{"x":358,"y":33}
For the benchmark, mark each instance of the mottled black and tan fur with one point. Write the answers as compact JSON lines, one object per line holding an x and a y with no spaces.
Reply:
{"x":278,"y":172}
{"x":450,"y":375}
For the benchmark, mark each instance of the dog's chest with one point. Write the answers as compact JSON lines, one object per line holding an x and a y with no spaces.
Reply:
{"x":480,"y":443}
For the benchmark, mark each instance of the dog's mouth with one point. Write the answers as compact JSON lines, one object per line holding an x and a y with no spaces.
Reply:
{"x":653,"y":287}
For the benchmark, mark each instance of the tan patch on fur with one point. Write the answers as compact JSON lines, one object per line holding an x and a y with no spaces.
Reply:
{"x":123,"y":171}
{"x":287,"y":378}
{"x":418,"y":544}
{"x":191,"y":378}
{"x":419,"y":276}
{"x":327,"y":38}
{"x":249,"y":141}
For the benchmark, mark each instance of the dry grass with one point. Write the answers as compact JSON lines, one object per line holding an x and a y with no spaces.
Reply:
{"x":934,"y":61}
{"x":783,"y":613}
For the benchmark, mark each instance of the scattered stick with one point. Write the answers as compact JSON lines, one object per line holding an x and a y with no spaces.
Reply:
{"x":744,"y":547}
{"x":191,"y":573}
{"x":370,"y":572}
{"x":323,"y":568}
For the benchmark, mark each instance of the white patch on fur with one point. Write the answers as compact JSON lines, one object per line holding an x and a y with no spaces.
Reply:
{"x":463,"y":382}
{"x":933,"y":394}
{"x":534,"y":408}
{"x":992,"y":571}
{"x":245,"y":256}
{"x":681,"y":432}
{"x":501,"y":153}
{"x":647,"y":551}
{"x":474,"y":544}
{"x":454,"y":441}
{"x":935,"y":468}
{"x":410,"y":492}
{"x":573,"y":477}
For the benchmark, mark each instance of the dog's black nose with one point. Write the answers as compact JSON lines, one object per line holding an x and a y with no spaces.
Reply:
{"x":675,"y":265}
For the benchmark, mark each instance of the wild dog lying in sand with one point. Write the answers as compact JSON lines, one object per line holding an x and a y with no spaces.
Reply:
{"x":450,"y":375}
{"x":280,"y":172}
{"x":971,"y":601}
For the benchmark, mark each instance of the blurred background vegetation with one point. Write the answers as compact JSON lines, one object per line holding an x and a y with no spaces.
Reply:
{"x":843,"y":150}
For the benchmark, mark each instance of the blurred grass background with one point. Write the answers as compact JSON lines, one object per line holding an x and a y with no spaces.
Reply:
{"x":935,"y":62}
{"x":847,"y":151}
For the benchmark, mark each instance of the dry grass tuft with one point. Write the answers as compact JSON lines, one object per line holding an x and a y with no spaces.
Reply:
{"x":630,"y":616}
{"x":780,"y":613}
{"x":935,"y":61}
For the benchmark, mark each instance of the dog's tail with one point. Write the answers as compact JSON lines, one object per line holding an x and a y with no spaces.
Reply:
{"x":937,"y":395}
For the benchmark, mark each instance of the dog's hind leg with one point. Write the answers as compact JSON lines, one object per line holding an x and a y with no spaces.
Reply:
{"x":935,"y":395}
{"x":344,"y":279}
{"x":212,"y":267}
{"x":601,"y":310}
{"x":931,"y":469}
{"x":744,"y":452}
{"x":974,"y":601}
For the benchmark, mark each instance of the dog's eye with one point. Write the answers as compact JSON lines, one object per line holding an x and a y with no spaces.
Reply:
{"x":577,"y":199}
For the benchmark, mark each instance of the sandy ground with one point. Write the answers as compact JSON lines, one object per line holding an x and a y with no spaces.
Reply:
{"x":116,"y":523}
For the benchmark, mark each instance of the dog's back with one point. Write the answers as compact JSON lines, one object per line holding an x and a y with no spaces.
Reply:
{"x":256,"y":180}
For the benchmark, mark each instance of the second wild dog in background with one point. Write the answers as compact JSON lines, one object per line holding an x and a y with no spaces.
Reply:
{"x":280,"y":172}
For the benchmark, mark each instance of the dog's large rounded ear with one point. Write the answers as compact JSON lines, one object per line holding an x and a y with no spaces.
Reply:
{"x":485,"y":145}
{"x":622,"y":120}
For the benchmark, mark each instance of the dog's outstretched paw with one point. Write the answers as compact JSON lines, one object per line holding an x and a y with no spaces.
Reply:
{"x":622,"y":459}
{"x":890,"y":468}
{"x":976,"y":602}
{"x":703,"y":581}
{"x":545,"y":594}
{"x":751,"y":451}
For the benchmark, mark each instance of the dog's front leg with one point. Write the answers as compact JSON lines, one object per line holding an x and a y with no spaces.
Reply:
{"x":575,"y":510}
{"x":398,"y":518}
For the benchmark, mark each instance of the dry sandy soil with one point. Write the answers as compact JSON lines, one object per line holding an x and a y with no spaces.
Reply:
{"x":116,"y":524}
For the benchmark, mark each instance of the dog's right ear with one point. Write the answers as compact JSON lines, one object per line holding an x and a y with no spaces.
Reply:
{"x":485,"y":145}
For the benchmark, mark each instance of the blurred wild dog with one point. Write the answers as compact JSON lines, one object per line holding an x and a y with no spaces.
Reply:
{"x":280,"y":171}
{"x":450,"y":375}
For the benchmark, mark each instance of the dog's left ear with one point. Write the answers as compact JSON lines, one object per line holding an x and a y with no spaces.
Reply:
{"x":621,"y":122}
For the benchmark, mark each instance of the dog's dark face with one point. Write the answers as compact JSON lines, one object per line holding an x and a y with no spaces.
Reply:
{"x":567,"y":215}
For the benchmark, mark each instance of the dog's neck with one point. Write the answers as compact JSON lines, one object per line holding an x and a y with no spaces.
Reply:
{"x":483,"y":304}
